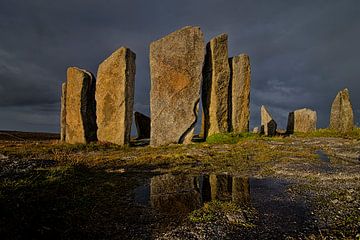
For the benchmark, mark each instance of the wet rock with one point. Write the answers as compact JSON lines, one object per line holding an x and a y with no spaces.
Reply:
{"x":342,"y":116}
{"x":215,"y":89}
{"x":63,"y":113}
{"x":221,"y":187}
{"x":115,"y":97}
{"x":302,"y":120}
{"x":268,"y":124}
{"x":240,"y":93}
{"x":241,"y":190}
{"x":176,"y":62}
{"x":142,"y":123}
{"x":80,"y":106}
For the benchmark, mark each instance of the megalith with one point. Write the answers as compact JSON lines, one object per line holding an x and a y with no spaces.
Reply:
{"x":240,"y":93}
{"x":342,"y":116}
{"x":268,"y":124}
{"x":142,"y":123}
{"x":80,"y":106}
{"x":302,"y":120}
{"x":215,"y":88}
{"x":176,"y":62}
{"x":115,"y":97}
{"x":63,"y":113}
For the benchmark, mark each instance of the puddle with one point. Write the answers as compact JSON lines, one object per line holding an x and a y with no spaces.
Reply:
{"x":175,"y":196}
{"x":322,"y":155}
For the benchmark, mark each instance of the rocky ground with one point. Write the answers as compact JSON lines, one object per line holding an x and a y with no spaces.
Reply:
{"x":54,"y":190}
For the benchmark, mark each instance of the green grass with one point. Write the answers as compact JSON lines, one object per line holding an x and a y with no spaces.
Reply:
{"x":355,"y":134}
{"x":230,"y":138}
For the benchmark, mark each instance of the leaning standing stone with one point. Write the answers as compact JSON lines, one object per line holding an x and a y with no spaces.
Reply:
{"x":240,"y":93}
{"x":63,"y":113}
{"x":175,"y":65}
{"x":80,"y":106}
{"x":215,"y":89}
{"x":342,"y":116}
{"x":115,"y":97}
{"x":268,"y":124}
{"x":302,"y":120}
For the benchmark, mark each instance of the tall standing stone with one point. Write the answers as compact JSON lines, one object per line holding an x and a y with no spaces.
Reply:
{"x":302,"y":120}
{"x":80,"y":106}
{"x":342,"y":116}
{"x":63,"y":113}
{"x":142,"y":124}
{"x":175,"y":65}
{"x":215,"y":89}
{"x":268,"y":124}
{"x":115,"y":97}
{"x":240,"y":93}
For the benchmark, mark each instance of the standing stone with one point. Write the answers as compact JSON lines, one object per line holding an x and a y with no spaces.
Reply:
{"x":63,"y":113}
{"x":240,"y":93}
{"x":215,"y":89}
{"x":342,"y":116}
{"x":80,"y":106}
{"x":115,"y":97}
{"x":175,"y":65}
{"x":142,"y":124}
{"x":302,"y":120}
{"x":268,"y":124}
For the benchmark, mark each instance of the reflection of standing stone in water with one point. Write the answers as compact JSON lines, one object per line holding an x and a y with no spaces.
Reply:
{"x":175,"y":194}
{"x":221,"y":187}
{"x":241,"y":190}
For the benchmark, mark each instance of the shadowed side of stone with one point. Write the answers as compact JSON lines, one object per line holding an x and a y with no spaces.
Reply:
{"x":215,"y":88}
{"x":240,"y":93}
{"x":175,"y":66}
{"x":142,"y":123}
{"x":63,"y":113}
{"x":302,"y":120}
{"x":80,"y":106}
{"x":268,"y":124}
{"x":115,"y":97}
{"x":342,"y":116}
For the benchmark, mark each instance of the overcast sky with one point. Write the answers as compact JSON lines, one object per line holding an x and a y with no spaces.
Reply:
{"x":302,"y":52}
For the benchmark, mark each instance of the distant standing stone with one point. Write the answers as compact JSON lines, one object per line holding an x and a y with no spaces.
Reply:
{"x":256,"y":130}
{"x":115,"y":97}
{"x":142,"y":124}
{"x":215,"y":89}
{"x":342,"y":116}
{"x":63,"y":113}
{"x":302,"y":120}
{"x":240,"y":93}
{"x":80,"y":106}
{"x":268,"y":124}
{"x":175,"y":66}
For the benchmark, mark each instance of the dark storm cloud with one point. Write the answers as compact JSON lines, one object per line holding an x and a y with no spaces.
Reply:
{"x":302,"y":52}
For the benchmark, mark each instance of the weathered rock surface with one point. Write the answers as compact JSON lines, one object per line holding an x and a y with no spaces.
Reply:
{"x":142,"y":123}
{"x":268,"y":124}
{"x":63,"y":113}
{"x":115,"y":97}
{"x":175,"y":65}
{"x":302,"y":120}
{"x":256,"y":130}
{"x":215,"y":89}
{"x":342,"y":116}
{"x":240,"y":93}
{"x":80,"y":106}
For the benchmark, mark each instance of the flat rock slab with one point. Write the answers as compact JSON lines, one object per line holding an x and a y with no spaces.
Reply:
{"x":268,"y":124}
{"x":115,"y":97}
{"x":240,"y":93}
{"x":342,"y":116}
{"x":215,"y":88}
{"x":176,"y":63}
{"x":80,"y":106}
{"x":143,"y":125}
{"x":302,"y":120}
